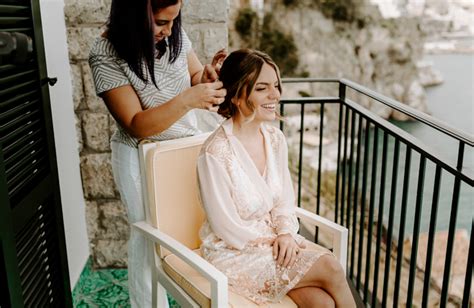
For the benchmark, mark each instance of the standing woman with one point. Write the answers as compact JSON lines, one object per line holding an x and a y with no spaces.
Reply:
{"x":151,"y":81}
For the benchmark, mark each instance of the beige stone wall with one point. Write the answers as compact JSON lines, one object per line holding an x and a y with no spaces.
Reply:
{"x":206,"y":25}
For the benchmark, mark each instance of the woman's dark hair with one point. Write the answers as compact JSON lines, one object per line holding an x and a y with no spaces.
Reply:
{"x":130,"y":31}
{"x":239,"y":73}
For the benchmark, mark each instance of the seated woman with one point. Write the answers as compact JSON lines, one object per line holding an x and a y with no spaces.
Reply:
{"x":251,"y":229}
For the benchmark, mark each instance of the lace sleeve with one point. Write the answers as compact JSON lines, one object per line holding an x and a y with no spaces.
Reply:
{"x":283,"y":213}
{"x":286,"y":224}
{"x":216,"y":194}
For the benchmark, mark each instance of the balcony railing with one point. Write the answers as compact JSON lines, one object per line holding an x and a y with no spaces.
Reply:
{"x":387,"y":184}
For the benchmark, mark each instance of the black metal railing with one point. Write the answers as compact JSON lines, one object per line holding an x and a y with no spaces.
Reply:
{"x":387,"y":183}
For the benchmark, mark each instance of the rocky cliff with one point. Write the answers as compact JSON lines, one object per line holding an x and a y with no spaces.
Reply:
{"x":447,"y":25}
{"x":362,"y":46}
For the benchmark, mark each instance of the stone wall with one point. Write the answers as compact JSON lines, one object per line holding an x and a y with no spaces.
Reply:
{"x":108,"y":231}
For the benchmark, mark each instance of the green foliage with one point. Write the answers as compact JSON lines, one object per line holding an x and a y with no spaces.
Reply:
{"x":304,"y":74}
{"x":270,"y":39}
{"x":245,"y":22}
{"x":280,"y":46}
{"x":304,"y":93}
{"x":328,"y":186}
{"x":339,"y":10}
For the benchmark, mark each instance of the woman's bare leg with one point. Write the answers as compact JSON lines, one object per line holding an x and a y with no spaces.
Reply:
{"x":327,"y":273}
{"x":311,"y":297}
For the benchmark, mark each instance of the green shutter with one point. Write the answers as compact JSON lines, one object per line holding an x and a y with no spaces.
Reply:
{"x":33,"y":263}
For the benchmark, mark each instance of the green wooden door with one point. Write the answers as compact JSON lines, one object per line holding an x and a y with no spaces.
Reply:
{"x":33,"y":262}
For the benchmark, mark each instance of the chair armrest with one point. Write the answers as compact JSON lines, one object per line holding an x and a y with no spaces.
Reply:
{"x":218,"y":281}
{"x":338,"y":232}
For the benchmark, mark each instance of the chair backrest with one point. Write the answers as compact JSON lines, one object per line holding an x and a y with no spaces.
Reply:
{"x":170,"y":187}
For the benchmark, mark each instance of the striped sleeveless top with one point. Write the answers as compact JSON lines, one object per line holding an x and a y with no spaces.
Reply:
{"x":110,"y":72}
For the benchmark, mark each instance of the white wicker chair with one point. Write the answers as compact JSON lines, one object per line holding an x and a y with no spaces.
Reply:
{"x":171,"y":194}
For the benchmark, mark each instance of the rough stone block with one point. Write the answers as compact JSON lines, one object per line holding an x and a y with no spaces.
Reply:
{"x":112,"y":125}
{"x":212,"y":11}
{"x":195,"y":36}
{"x":207,"y":38}
{"x":214,"y":38}
{"x":77,"y":87}
{"x":86,"y":11}
{"x":80,"y":142}
{"x":92,"y":219}
{"x":399,"y":52}
{"x":80,"y":40}
{"x":379,"y":40}
{"x":109,"y":253}
{"x":113,"y":221}
{"x":96,"y":131}
{"x":97,"y":177}
{"x":93,"y":102}
{"x":428,"y":75}
{"x":397,"y":91}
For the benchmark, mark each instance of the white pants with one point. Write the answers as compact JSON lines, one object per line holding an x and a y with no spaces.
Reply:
{"x":126,"y":169}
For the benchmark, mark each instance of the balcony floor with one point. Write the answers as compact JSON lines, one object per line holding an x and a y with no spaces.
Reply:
{"x":104,"y":288}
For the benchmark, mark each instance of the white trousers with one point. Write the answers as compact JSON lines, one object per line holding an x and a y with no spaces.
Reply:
{"x":126,"y":170}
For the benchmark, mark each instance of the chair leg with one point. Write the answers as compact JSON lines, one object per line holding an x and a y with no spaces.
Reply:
{"x":162,"y":298}
{"x":158,"y":293}
{"x":154,"y":288}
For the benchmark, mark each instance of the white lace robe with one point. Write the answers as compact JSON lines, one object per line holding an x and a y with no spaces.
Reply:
{"x":246,"y":211}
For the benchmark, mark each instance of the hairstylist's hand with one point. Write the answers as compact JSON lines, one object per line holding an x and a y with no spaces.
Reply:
{"x":285,"y":250}
{"x":204,"y":96}
{"x":211,"y":71}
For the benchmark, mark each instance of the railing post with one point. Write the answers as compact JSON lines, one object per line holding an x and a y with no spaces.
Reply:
{"x":431,"y":235}
{"x":320,"y":157}
{"x":371,"y":212}
{"x":416,"y":229}
{"x":452,"y":228}
{"x":468,"y":279}
{"x":363,"y":204}
{"x":300,"y":165}
{"x":282,"y":114}
{"x":349,"y":193}
{"x":338,"y":168}
{"x":401,"y":232}
{"x":342,"y":91}
{"x":380,"y":218}
{"x":391,"y":212}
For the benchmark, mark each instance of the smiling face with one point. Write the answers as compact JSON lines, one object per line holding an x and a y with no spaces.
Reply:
{"x":164,"y":21}
{"x":264,"y":96}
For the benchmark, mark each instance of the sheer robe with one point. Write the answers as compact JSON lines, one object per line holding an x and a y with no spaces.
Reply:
{"x":246,"y":211}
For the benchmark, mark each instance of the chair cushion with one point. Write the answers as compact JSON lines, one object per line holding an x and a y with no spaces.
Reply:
{"x":197,"y":286}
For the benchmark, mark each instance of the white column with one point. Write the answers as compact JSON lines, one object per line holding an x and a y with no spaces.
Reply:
{"x":62,"y":108}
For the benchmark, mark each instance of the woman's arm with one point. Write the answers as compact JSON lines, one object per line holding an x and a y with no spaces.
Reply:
{"x":283,"y":213}
{"x":216,"y":193}
{"x":113,"y":85}
{"x":124,"y":105}
{"x":207,"y":73}
{"x":288,"y":241}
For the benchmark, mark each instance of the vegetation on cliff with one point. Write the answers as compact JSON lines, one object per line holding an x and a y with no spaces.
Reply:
{"x":269,"y":38}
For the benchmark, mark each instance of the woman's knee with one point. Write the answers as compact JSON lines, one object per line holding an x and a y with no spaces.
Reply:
{"x":332,"y":268}
{"x":325,"y":271}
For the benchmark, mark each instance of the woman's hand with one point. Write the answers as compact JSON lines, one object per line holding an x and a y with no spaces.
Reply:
{"x":211,"y":71}
{"x":285,"y":250}
{"x":204,"y":96}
